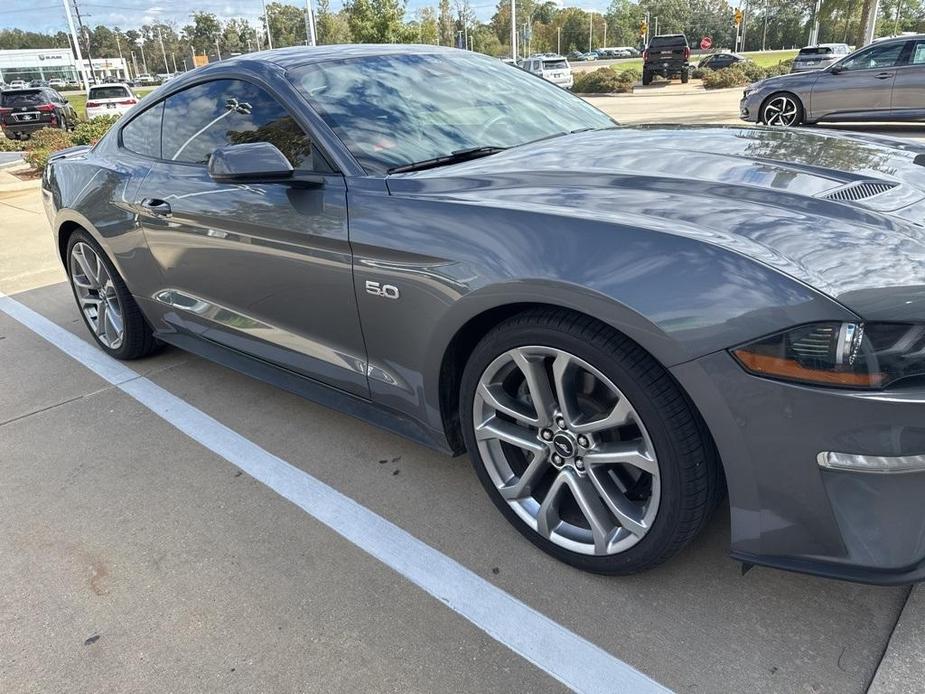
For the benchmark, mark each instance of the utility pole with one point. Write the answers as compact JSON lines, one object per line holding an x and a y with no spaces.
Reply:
{"x":310,"y":23}
{"x":605,"y":34}
{"x":590,"y":28}
{"x":134,"y":65}
{"x":764,"y":36}
{"x":218,"y":51}
{"x":144,"y":61}
{"x":160,"y":36}
{"x":656,"y":25}
{"x":80,"y":60}
{"x":647,"y":29}
{"x":559,"y":40}
{"x":745,"y":19}
{"x":119,"y":46}
{"x":173,"y":57}
{"x":514,"y":30}
{"x":899,"y":5}
{"x":869,"y":20}
{"x":814,"y":33}
{"x":266,"y":19}
{"x":81,"y":27}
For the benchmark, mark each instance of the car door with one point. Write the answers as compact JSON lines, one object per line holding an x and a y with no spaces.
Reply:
{"x":860,"y":86}
{"x":262,"y":268}
{"x":909,"y":85}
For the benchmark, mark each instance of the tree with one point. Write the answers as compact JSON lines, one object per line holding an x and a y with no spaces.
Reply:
{"x":375,"y":21}
{"x":203,"y":32}
{"x":445,"y":22}
{"x":332,"y":27}
{"x":287,"y":24}
{"x":429,"y":28}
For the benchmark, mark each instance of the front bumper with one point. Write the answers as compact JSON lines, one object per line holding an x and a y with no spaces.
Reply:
{"x":750,"y":106}
{"x":790,"y":512}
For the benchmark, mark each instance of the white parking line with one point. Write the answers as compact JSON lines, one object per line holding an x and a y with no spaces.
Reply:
{"x":574,"y":661}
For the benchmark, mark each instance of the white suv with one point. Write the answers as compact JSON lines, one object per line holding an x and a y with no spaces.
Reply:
{"x":111,"y":99}
{"x":554,"y":68}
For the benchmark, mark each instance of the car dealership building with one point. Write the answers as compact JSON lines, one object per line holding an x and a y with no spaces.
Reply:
{"x":55,"y":63}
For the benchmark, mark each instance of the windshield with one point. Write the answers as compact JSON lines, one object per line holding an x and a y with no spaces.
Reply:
{"x":19,"y":99}
{"x":666,"y":41}
{"x":392,"y":110}
{"x":108,"y":92}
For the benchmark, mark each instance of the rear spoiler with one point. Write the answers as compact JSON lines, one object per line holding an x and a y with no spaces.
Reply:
{"x":69,"y":152}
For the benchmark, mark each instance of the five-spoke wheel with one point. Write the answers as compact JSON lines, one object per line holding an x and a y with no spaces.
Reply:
{"x":585,"y":443}
{"x":782,"y":110}
{"x":96,"y":295}
{"x":105,"y":303}
{"x":567,"y":450}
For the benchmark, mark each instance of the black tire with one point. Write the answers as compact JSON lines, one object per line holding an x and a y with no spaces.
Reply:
{"x":685,"y":77}
{"x":646,"y":78}
{"x":800,"y":115}
{"x":692,"y":483}
{"x":139,"y":340}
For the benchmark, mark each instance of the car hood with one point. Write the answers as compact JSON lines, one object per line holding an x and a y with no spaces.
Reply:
{"x":842,"y":213}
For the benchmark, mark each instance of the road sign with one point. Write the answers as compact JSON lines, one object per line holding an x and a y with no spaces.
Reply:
{"x":738,"y":17}
{"x":706,"y":43}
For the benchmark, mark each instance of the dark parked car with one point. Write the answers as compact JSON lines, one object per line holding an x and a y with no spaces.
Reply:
{"x":23,"y":111}
{"x":718,"y":61}
{"x":884,"y":81}
{"x":616,"y":323}
{"x":667,"y":56}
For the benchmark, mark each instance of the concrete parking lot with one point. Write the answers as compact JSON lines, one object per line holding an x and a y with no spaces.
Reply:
{"x":147,"y":546}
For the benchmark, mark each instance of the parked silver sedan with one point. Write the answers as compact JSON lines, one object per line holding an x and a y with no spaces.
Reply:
{"x":884,"y":81}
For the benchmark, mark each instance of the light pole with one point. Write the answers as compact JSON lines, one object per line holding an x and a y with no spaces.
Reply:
{"x":559,"y":40}
{"x":309,"y":23}
{"x":590,"y":28}
{"x":160,"y":36}
{"x":266,"y":19}
{"x":513,"y":30}
{"x":80,"y":60}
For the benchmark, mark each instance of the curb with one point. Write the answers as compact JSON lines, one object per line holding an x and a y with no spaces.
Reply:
{"x":17,"y":186}
{"x":12,"y":164}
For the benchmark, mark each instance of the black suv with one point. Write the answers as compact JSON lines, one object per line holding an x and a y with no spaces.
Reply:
{"x":23,"y":111}
{"x":667,"y":56}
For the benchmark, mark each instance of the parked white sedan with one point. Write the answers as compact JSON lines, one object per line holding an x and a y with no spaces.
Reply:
{"x":112,"y":99}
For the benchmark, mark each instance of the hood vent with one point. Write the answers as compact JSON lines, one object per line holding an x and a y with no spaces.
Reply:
{"x":859,"y":190}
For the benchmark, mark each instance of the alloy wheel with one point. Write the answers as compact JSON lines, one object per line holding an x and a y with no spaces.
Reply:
{"x":96,"y":295}
{"x":567,"y":450}
{"x":782,"y":111}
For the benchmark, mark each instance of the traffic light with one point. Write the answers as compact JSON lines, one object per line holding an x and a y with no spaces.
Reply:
{"x":738,"y":17}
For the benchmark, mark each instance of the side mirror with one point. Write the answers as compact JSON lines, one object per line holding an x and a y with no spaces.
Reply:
{"x":836,"y":69}
{"x":249,"y":162}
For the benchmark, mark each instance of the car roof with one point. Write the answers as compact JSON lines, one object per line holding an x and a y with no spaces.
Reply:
{"x":295,"y":56}
{"x":109,"y":84}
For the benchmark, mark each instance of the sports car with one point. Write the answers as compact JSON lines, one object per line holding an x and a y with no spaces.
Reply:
{"x":619,"y":325}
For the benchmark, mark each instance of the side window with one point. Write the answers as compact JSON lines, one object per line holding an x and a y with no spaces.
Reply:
{"x":874,"y":58}
{"x":200,"y":119}
{"x":918,"y":54}
{"x":142,"y":134}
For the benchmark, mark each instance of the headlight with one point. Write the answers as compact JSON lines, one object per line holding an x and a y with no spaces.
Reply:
{"x":848,"y":355}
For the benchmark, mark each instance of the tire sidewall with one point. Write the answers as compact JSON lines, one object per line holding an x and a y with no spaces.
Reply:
{"x":664,"y":528}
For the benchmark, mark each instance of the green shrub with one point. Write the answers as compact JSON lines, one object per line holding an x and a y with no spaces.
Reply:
{"x":7,"y":145}
{"x":604,"y":80}
{"x":89,"y":132}
{"x":728,"y":77}
{"x":753,"y":71}
{"x":631,"y":75}
{"x":698,"y":73}
{"x":782,"y":68}
{"x":43,"y":144}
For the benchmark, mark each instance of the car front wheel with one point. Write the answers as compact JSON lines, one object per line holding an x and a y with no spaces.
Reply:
{"x":586,"y":444}
{"x":106,"y":305}
{"x":782,"y":110}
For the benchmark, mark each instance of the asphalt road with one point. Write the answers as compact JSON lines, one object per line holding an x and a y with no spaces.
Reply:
{"x":156,"y":552}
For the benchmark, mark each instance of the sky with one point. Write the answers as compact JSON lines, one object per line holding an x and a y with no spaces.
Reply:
{"x":48,"y":15}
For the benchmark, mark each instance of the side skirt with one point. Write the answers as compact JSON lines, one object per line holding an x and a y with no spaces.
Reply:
{"x":384,"y":418}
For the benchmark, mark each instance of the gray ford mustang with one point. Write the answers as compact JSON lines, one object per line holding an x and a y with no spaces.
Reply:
{"x":618,"y":324}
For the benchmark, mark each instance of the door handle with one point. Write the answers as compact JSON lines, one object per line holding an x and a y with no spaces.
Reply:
{"x":884,"y":75}
{"x":156,"y":207}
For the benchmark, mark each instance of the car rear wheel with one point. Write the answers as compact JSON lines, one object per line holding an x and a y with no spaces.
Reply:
{"x":105,"y":303}
{"x":783,"y":110}
{"x":586,"y":444}
{"x":685,"y":76}
{"x":646,"y":78}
